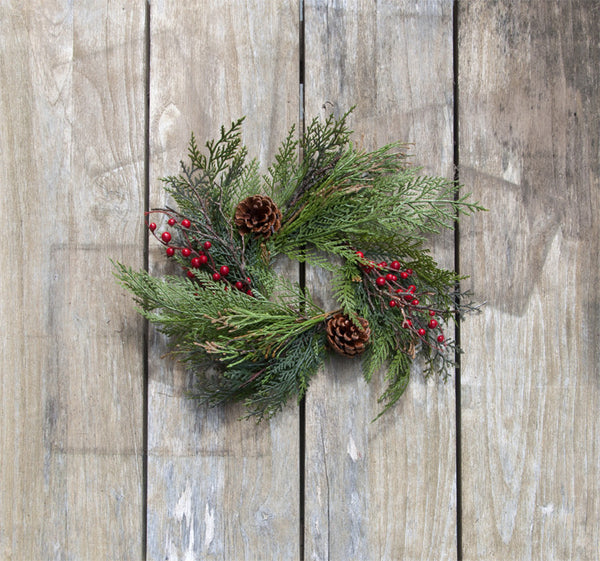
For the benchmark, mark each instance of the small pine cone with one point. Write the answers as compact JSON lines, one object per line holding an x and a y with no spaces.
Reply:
{"x":258,"y":215}
{"x":345,"y":337}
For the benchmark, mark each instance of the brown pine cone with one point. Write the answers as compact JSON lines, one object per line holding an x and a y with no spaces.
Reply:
{"x":258,"y":215}
{"x":345,"y":337}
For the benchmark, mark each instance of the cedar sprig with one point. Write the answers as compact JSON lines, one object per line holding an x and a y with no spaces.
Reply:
{"x":371,"y":201}
{"x":320,"y":146}
{"x":224,"y":322}
{"x":264,"y":385}
{"x":259,"y":347}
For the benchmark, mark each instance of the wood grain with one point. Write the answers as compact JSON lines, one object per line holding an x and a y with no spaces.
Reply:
{"x":71,"y":356}
{"x":382,"y":491}
{"x":529,"y":130}
{"x":219,"y":488}
{"x":71,"y":152}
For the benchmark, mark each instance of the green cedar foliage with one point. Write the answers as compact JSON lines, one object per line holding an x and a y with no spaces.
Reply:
{"x":261,"y":340}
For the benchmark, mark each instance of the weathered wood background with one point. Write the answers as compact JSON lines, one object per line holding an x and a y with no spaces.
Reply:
{"x":102,"y":456}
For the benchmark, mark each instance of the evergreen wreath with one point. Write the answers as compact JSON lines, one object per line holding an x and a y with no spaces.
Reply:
{"x":251,"y":335}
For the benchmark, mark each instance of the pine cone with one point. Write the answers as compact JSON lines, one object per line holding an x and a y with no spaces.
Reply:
{"x":258,"y":215}
{"x":345,"y":337}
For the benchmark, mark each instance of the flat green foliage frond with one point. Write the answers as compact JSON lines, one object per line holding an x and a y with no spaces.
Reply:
{"x":344,"y":284}
{"x":289,"y":375}
{"x":358,"y":205}
{"x":343,"y":197}
{"x":209,"y":184}
{"x":379,"y":352}
{"x":266,"y":386}
{"x":397,"y":377}
{"x":234,"y":324}
{"x":283,"y":175}
{"x":267,"y":350}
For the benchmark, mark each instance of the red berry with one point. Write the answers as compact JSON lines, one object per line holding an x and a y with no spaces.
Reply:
{"x":239,"y":285}
{"x":207,"y":245}
{"x":172,"y":222}
{"x":166,"y":237}
{"x":248,"y":280}
{"x":395,"y":265}
{"x":170,"y":252}
{"x":412,"y":288}
{"x":421,"y":332}
{"x":433,"y":324}
{"x":224,"y":270}
{"x":186,"y":252}
{"x":186,"y":223}
{"x":393,"y":303}
{"x":390,"y":277}
{"x":409,"y":272}
{"x":360,"y":254}
{"x":408,"y":297}
{"x":440,"y":338}
{"x":249,"y":293}
{"x":383,"y":265}
{"x":196,"y":262}
{"x":431,"y":312}
{"x":415,"y":302}
{"x":380,"y":281}
{"x":403,"y":275}
{"x":399,"y":290}
{"x":203,"y":259}
{"x":191,"y":275}
{"x":152,"y":226}
{"x":216,"y":276}
{"x":406,"y":323}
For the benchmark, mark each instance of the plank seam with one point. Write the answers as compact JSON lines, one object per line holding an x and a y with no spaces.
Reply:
{"x":302,"y":283}
{"x":146,"y":332}
{"x":457,"y":356}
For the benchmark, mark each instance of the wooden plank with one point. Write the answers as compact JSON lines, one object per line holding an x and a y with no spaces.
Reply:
{"x":529,"y":130}
{"x":218,"y":488}
{"x":384,"y":490}
{"x":71,"y":152}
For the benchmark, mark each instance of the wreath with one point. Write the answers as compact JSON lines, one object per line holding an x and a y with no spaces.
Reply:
{"x":249,"y":333}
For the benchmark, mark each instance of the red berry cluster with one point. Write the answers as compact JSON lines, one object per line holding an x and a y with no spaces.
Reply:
{"x":196,"y":258}
{"x":391,"y":285}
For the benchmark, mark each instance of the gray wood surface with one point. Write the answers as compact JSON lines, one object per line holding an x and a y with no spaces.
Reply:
{"x":74,"y":479}
{"x":71,"y":362}
{"x":385,"y":490}
{"x":529,"y":130}
{"x":218,"y":488}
